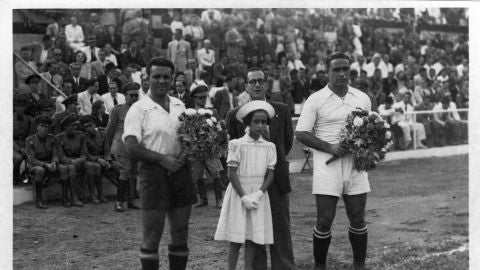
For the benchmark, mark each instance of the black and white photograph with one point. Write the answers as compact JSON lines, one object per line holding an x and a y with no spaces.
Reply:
{"x":256,"y":135}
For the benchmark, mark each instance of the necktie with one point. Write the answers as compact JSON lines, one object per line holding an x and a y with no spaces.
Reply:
{"x":93,"y":55}
{"x":115,"y":101}
{"x":91,"y":99}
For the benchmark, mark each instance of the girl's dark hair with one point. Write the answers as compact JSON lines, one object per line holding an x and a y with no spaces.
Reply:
{"x":96,"y":106}
{"x":248,"y":118}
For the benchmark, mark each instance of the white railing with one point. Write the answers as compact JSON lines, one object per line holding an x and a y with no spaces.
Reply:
{"x":414,"y":115}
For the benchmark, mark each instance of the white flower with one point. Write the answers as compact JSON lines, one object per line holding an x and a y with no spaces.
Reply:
{"x":388,"y":135}
{"x":201,"y":111}
{"x":214,"y":119}
{"x":358,"y":122}
{"x":219,"y":128}
{"x":386,"y":125}
{"x":209,"y":122}
{"x":190,"y":111}
{"x":208,"y":111}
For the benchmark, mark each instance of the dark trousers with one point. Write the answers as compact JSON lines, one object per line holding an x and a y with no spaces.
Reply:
{"x":281,"y":252}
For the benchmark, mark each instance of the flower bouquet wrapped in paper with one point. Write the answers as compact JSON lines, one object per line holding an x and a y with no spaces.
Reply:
{"x":365,"y":136}
{"x":201,"y":135}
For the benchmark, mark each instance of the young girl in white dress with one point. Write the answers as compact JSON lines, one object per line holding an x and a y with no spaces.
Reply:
{"x":246,"y":216}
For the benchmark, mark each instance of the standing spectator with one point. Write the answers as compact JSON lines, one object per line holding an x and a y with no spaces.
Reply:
{"x":113,"y":98}
{"x":51,"y":75}
{"x":281,"y":134}
{"x":156,"y":148}
{"x":214,"y":32}
{"x":114,"y":39}
{"x":126,"y":164}
{"x":88,"y":97}
{"x":74,"y":34}
{"x":149,"y":51}
{"x":221,"y":70}
{"x":251,"y":41}
{"x":300,"y":89}
{"x":179,"y":51}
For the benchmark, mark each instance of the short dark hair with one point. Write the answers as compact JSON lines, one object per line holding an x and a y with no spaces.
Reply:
{"x":96,"y":106}
{"x":116,"y":81}
{"x":248,"y":118}
{"x":91,"y":82}
{"x":162,"y":62}
{"x":336,"y":55}
{"x":253,"y":69}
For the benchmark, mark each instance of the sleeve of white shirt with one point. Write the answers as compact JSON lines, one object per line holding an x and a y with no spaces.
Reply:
{"x":308,"y":116}
{"x":133,"y":124}
{"x":455,"y":114}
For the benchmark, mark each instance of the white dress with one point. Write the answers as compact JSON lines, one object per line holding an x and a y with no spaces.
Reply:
{"x":252,"y":159}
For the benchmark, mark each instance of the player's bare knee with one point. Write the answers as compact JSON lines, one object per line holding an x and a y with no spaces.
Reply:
{"x":324,"y":223}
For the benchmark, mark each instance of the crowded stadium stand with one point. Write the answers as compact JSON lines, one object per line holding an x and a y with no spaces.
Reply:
{"x":413,"y":63}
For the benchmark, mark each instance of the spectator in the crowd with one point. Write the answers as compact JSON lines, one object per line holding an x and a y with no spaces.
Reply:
{"x":405,"y":122}
{"x":377,"y":63}
{"x":177,"y":22}
{"x":222,"y":99}
{"x":79,"y":84}
{"x":179,"y":51}
{"x":135,"y":28}
{"x":99,"y":116}
{"x":386,"y":110}
{"x":98,"y":66}
{"x":376,"y":86}
{"x":53,"y":29}
{"x":88,"y":97}
{"x":51,"y":75}
{"x":181,"y":93}
{"x":41,"y":150}
{"x":112,"y":98}
{"x":111,"y":73}
{"x":22,"y":70}
{"x":132,"y":55}
{"x":85,"y":68}
{"x":206,"y":57}
{"x":193,"y":33}
{"x":149,"y":51}
{"x":294,"y":62}
{"x":109,"y":56}
{"x":67,"y":89}
{"x":251,"y":41}
{"x":221,"y":70}
{"x":23,"y":126}
{"x":300,"y":89}
{"x":267,"y":65}
{"x":32,"y":94}
{"x":461,"y":67}
{"x":74,"y":34}
{"x":71,"y":107}
{"x":91,"y":50}
{"x":277,"y":87}
{"x":447,"y":127}
{"x":144,"y":86}
{"x":41,"y":53}
{"x":93,"y":26}
{"x":426,"y":118}
{"x":234,"y":40}
{"x":63,"y":69}
{"x":114,"y":40}
{"x":363,"y":86}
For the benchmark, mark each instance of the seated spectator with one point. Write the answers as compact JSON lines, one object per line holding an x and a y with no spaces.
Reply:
{"x":74,"y":34}
{"x":22,"y":70}
{"x":23,"y":126}
{"x":91,"y":50}
{"x":114,"y":40}
{"x":63,"y":69}
{"x":132,"y":55}
{"x":206,"y":57}
{"x":426,"y":118}
{"x":67,"y":89}
{"x":447,"y":127}
{"x":98,"y":66}
{"x":79,"y":83}
{"x":112,"y":98}
{"x":386,"y":110}
{"x":85,"y":68}
{"x":109,"y":56}
{"x":88,"y":97}
{"x":43,"y":159}
{"x":405,"y":122}
{"x":111,"y":73}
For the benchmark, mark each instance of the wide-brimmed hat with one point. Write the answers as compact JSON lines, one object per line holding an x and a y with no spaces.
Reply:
{"x":253,"y":106}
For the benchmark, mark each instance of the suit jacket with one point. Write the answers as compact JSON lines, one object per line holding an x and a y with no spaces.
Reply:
{"x":98,"y":68}
{"x":284,"y":84}
{"x":114,"y":130}
{"x":128,"y":58}
{"x":186,"y":99}
{"x":80,"y":87}
{"x":281,"y":134}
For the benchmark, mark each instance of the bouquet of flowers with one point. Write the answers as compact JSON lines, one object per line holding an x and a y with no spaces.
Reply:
{"x":201,"y":135}
{"x":365,"y":136}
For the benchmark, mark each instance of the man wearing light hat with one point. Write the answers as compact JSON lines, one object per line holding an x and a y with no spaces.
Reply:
{"x":43,"y":159}
{"x":199,"y":94}
{"x":127,"y":179}
{"x":280,"y":132}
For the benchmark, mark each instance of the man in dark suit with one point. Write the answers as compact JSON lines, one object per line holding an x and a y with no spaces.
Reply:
{"x":281,"y":134}
{"x":182,"y":94}
{"x":79,"y":84}
{"x":111,"y":72}
{"x":221,"y":100}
